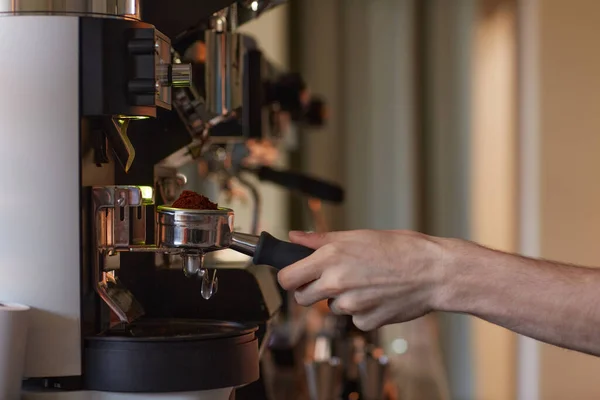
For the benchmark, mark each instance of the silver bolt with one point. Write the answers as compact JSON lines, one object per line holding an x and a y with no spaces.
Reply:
{"x":121,"y":200}
{"x":157,"y":86}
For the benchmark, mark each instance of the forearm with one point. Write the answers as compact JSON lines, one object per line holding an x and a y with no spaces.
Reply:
{"x":552,"y":302}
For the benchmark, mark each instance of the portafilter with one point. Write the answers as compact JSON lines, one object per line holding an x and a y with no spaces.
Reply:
{"x":202,"y":231}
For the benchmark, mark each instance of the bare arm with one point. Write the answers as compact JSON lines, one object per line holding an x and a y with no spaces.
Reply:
{"x":383,"y":277}
{"x":552,"y":302}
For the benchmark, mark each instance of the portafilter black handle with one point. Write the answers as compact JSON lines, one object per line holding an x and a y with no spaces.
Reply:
{"x":268,"y":250}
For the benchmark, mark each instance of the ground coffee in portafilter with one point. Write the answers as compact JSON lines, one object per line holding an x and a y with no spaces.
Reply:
{"x":193,"y":201}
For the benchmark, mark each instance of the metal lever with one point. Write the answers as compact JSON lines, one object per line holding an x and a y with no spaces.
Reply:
{"x":324,"y":379}
{"x":372,"y":373}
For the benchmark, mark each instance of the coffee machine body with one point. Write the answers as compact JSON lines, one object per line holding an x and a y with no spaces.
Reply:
{"x":74,"y":80}
{"x":40,"y":143}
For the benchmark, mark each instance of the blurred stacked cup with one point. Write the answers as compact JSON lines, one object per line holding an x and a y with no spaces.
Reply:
{"x":13,"y":340}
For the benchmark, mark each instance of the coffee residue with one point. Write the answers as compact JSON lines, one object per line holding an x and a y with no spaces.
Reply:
{"x":193,"y":201}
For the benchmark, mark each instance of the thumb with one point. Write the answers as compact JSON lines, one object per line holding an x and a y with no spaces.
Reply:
{"x":311,"y":240}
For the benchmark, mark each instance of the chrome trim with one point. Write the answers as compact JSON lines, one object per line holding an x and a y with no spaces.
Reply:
{"x":199,"y":230}
{"x":244,"y":243}
{"x":127,"y":9}
{"x":181,"y":75}
{"x":110,"y":231}
{"x":224,"y":71}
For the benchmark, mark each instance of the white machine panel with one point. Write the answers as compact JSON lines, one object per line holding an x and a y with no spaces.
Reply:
{"x":39,"y":174}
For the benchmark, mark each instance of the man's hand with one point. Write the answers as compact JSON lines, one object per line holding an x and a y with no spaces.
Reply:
{"x":378,"y":277}
{"x":382,"y":277}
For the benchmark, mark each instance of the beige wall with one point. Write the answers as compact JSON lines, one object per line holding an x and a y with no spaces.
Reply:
{"x":567,"y":96}
{"x":569,"y":125}
{"x":318,"y":52}
{"x":494,"y":178}
{"x":569,"y":122}
{"x":359,"y":54}
{"x":570,"y":165}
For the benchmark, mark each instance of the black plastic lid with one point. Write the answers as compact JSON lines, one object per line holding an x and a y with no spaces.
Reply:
{"x":161,"y":356}
{"x":175,"y":330}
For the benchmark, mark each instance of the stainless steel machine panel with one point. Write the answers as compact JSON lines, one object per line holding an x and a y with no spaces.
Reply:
{"x":39,"y":171}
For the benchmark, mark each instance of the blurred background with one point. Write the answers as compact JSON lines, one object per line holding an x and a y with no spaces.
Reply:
{"x":466,"y":118}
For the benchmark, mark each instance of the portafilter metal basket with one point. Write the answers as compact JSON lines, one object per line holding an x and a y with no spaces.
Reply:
{"x":203,"y":231}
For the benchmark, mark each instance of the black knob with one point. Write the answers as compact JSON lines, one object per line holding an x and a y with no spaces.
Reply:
{"x":141,"y":46}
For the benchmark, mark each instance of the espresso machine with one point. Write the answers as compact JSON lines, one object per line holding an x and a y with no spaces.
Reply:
{"x":120,"y":311}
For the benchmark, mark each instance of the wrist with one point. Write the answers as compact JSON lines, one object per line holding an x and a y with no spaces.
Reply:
{"x":457,"y":271}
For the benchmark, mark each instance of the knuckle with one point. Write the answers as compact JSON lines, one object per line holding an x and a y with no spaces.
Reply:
{"x":330,"y":250}
{"x":301,"y":298}
{"x":321,"y":236}
{"x":283,"y":279}
{"x":363,"y":323}
{"x":348,"y":305}
{"x":333,"y":307}
{"x":332,"y":284}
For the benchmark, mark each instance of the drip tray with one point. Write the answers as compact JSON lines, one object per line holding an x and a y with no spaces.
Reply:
{"x":157,"y":356}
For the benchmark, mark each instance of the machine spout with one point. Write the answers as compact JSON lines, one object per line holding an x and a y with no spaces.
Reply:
{"x":192,"y":264}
